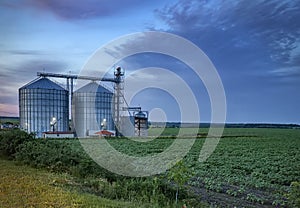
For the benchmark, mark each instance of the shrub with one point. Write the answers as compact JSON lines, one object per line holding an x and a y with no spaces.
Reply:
{"x":56,"y":157}
{"x":60,"y":157}
{"x":11,"y":140}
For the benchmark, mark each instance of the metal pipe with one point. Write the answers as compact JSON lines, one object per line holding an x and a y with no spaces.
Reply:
{"x":44,"y":74}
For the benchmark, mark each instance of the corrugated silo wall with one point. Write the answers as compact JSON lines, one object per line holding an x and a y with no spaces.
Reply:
{"x":90,"y":108}
{"x":38,"y":106}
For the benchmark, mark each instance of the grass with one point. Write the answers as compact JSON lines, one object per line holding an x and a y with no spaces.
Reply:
{"x":22,"y":186}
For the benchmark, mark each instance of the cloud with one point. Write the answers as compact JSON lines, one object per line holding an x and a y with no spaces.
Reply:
{"x":267,"y":29}
{"x":25,"y":52}
{"x":255,"y":46}
{"x":287,"y":72}
{"x":81,"y":9}
{"x":8,"y":110}
{"x":40,"y":65}
{"x":14,"y":77}
{"x":28,"y":67}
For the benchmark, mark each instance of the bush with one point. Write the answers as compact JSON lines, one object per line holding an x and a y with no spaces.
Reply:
{"x":56,"y":157}
{"x":60,"y":157}
{"x":11,"y":140}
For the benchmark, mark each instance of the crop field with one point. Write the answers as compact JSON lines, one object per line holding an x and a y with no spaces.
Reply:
{"x":252,"y":167}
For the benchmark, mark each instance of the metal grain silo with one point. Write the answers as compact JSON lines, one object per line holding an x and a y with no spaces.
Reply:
{"x":92,"y":108}
{"x":40,"y":103}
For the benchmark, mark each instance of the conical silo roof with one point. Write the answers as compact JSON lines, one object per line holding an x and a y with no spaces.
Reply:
{"x":42,"y":83}
{"x":92,"y":87}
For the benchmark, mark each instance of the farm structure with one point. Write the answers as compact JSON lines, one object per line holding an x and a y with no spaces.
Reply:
{"x":39,"y":102}
{"x":44,"y":107}
{"x":92,"y":109}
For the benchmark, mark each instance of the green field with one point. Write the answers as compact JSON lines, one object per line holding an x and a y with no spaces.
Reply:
{"x":249,"y":168}
{"x":12,"y":120}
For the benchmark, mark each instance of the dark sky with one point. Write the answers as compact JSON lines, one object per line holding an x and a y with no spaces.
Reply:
{"x":254,"y":46}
